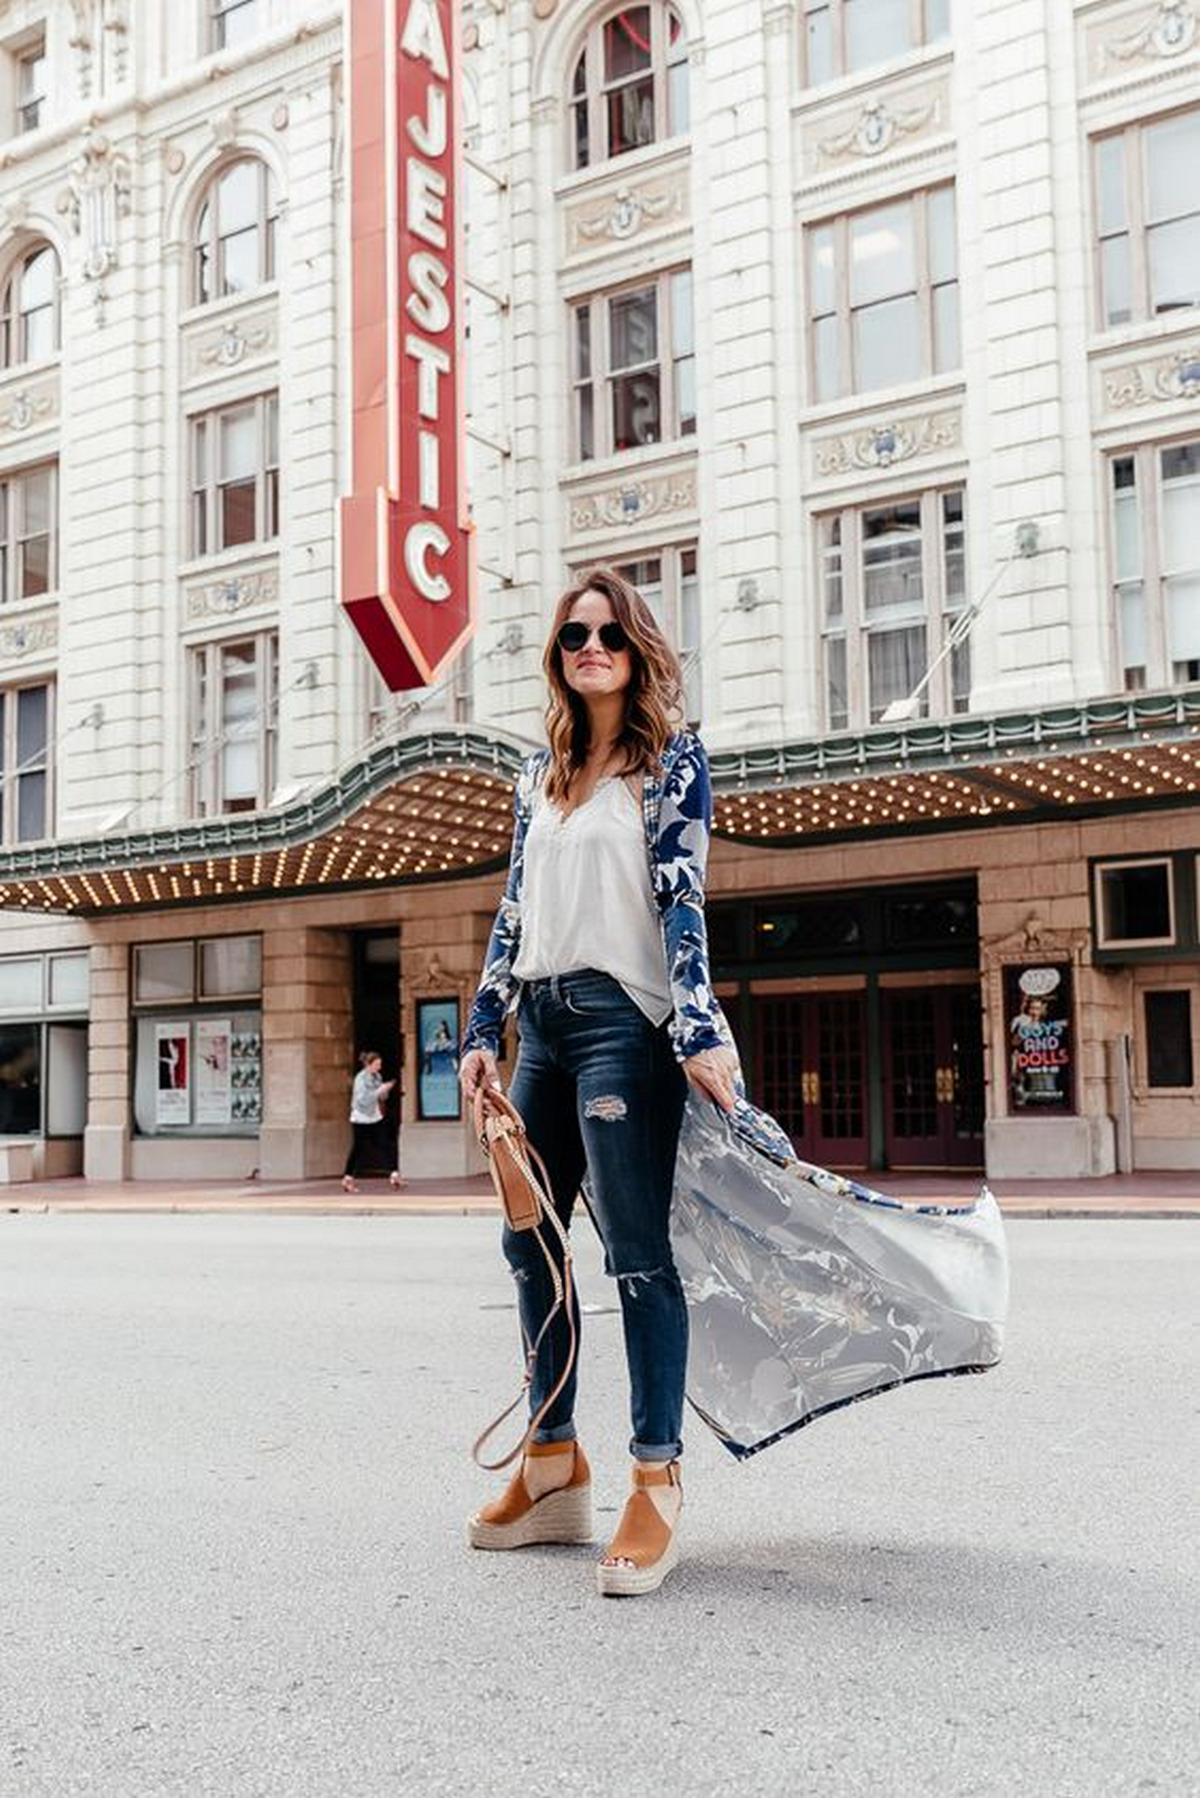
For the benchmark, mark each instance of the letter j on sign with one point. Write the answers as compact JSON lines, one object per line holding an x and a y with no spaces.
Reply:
{"x":408,"y":567}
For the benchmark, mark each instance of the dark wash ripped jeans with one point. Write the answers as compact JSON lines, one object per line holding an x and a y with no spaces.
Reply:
{"x":599,"y":1087}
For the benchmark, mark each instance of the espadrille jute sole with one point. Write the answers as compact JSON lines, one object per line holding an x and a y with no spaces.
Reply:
{"x":563,"y":1516}
{"x":633,"y":1582}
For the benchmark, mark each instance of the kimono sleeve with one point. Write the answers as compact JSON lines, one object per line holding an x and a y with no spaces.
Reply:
{"x":681,"y":861}
{"x":497,"y":985}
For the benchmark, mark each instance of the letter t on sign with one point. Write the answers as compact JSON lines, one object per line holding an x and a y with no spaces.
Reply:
{"x":407,"y":559}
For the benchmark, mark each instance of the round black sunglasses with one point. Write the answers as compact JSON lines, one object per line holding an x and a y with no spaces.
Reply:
{"x":573,"y":635}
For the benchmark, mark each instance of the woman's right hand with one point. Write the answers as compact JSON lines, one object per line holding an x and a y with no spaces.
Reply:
{"x":477,"y":1068}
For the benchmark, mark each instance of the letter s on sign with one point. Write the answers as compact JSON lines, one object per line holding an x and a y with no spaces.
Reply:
{"x":419,"y":542}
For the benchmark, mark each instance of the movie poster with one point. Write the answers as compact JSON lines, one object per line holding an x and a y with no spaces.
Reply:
{"x":437,"y":1058}
{"x":1040,"y":1050}
{"x":213,"y":1071}
{"x":246,"y":1077}
{"x":173,"y":1094}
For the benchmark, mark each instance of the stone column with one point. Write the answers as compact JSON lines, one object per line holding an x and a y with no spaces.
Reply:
{"x":110,"y":1062}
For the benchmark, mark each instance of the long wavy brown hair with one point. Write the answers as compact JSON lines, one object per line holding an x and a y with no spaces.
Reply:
{"x":653,"y":698}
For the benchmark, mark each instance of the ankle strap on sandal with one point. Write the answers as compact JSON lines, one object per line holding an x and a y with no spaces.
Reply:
{"x":644,"y":1476}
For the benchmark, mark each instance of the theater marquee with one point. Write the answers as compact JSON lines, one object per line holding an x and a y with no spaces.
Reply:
{"x":407,"y":550}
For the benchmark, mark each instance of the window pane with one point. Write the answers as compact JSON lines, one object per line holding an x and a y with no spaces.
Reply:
{"x":580,"y":117}
{"x":896,"y":664}
{"x":162,"y":972}
{"x":943,"y":243}
{"x":1116,"y":269}
{"x":892,"y":581}
{"x":875,"y":30}
{"x":822,"y":271}
{"x":837,"y":700}
{"x":587,"y":424}
{"x":887,"y":343}
{"x":947,"y":353}
{"x":237,"y":514}
{"x":1175,"y":264}
{"x":937,"y":19}
{"x":678,"y":100}
{"x":882,"y":261}
{"x":20,"y":1079}
{"x":34,"y":575}
{"x":819,"y":33}
{"x":70,"y":981}
{"x":237,"y":198}
{"x":683,"y":340}
{"x":583,"y":342}
{"x":1110,"y":185}
{"x":1169,"y":1039}
{"x":627,"y":43}
{"x":1135,"y":902}
{"x":954,"y":550}
{"x":239,"y":724}
{"x":1183,"y":621}
{"x":1131,"y":607}
{"x":31,"y":808}
{"x":1172,"y":158}
{"x":631,"y":116}
{"x":832,"y":559}
{"x":32,"y":720}
{"x":21,"y":983}
{"x":239,"y":444}
{"x":636,"y":410}
{"x":36,"y":498}
{"x":633,"y":327}
{"x":230,"y":965}
{"x":1127,"y":535}
{"x":827,"y":359}
{"x":685,"y":395}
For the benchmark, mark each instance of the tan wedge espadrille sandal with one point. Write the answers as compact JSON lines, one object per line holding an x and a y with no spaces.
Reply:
{"x":518,"y":1520}
{"x":644,"y":1538}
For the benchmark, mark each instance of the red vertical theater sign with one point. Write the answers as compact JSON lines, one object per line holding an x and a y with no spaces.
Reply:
{"x":408,"y":574}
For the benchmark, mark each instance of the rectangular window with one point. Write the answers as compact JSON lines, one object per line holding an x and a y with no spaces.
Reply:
{"x":25,"y":767}
{"x":883,"y":295}
{"x":1147,"y":218}
{"x":1135,"y":904}
{"x":31,"y":85}
{"x":1154,"y":494}
{"x":232,"y":22}
{"x":634,"y":370}
{"x":234,"y":701}
{"x":29,"y":533}
{"x":235,"y":476}
{"x":843,"y":36}
{"x":669,"y":582}
{"x":893,"y":581}
{"x":1169,"y":1039}
{"x":198,"y":1036}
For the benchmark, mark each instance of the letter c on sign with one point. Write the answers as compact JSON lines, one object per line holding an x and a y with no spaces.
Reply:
{"x":419,"y":542}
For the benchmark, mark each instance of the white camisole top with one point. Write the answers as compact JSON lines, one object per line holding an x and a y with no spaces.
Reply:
{"x":586,"y":900}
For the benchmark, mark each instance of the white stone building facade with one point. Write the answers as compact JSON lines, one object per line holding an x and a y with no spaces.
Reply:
{"x":866,"y":333}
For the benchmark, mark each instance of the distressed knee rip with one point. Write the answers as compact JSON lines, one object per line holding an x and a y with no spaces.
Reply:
{"x":606,"y":1108}
{"x":635,"y":1284}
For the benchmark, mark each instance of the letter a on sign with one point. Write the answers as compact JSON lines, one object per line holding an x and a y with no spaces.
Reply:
{"x":408,"y":566}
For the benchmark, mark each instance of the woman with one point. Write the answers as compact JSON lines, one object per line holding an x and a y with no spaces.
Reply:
{"x":368,"y":1123}
{"x":600,"y":939}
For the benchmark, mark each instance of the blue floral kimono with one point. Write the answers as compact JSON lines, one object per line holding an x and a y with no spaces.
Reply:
{"x":806,"y":1290}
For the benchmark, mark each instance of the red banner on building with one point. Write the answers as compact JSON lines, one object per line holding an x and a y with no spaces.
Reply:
{"x":408,"y":575}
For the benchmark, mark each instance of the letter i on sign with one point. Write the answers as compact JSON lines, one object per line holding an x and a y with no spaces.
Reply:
{"x":407,"y":550}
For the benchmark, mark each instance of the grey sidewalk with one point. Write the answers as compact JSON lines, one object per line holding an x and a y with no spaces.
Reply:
{"x":1148,"y":1195}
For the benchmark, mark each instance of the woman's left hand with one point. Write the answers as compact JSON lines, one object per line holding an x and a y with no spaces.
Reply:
{"x":712,"y":1074}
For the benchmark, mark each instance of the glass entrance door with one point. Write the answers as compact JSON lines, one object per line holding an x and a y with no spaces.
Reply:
{"x":812,"y":1065}
{"x":933,"y":1077}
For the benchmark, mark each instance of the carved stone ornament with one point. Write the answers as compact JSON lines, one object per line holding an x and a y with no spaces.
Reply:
{"x":876,"y":129}
{"x":20,"y":639}
{"x":233,"y":345}
{"x":1170,"y":31}
{"x":99,"y":196}
{"x":633,"y":502}
{"x":100,"y":42}
{"x":1174,"y":377}
{"x":883,"y":445}
{"x":235,"y":593}
{"x":628,"y":211}
{"x":23,"y":408}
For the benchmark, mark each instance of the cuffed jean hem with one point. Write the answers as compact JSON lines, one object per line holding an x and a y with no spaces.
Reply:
{"x":559,"y":1432}
{"x":656,"y":1451}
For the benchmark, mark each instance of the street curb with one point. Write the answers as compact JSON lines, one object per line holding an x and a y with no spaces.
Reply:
{"x":285,"y":1208}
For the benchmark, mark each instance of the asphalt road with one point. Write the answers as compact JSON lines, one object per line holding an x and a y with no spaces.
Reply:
{"x":234,"y":1469}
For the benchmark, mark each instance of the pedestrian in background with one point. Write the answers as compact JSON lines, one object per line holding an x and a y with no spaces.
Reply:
{"x":371,"y":1130}
{"x":600,"y":944}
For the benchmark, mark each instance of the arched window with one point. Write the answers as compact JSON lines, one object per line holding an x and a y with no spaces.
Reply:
{"x":630,"y":85}
{"x":29,"y":308}
{"x":236,"y":229}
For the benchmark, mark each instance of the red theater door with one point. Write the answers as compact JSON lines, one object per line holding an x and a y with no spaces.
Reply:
{"x":812,"y":1063}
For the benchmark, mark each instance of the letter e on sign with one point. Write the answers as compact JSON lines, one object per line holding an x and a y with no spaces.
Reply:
{"x":407,"y":552}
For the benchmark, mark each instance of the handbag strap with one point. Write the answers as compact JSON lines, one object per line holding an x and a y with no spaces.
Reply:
{"x":533,"y":1167}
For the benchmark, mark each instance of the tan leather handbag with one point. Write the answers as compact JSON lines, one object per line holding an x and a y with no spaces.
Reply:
{"x":523,"y":1186}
